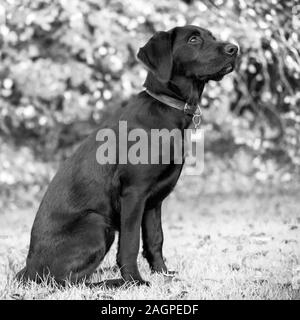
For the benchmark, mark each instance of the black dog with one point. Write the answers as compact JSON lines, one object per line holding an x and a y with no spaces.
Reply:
{"x":86,"y":203}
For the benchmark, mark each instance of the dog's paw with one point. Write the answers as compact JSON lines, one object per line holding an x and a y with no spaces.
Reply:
{"x":170,"y":273}
{"x":167,"y":273}
{"x":107,"y":284}
{"x":139,"y":282}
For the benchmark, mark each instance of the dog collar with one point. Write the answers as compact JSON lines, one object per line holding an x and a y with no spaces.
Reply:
{"x":188,"y":109}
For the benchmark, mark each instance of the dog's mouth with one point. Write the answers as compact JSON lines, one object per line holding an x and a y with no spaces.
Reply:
{"x":227,"y":69}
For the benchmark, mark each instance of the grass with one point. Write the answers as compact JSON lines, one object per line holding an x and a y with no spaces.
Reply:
{"x":223,"y":247}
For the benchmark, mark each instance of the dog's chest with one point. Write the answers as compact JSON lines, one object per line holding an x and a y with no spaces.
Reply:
{"x":164,"y":184}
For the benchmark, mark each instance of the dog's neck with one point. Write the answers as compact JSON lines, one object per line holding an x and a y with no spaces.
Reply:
{"x":179,"y":87}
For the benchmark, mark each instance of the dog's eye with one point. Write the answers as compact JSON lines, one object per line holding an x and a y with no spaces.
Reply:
{"x":194,"y":39}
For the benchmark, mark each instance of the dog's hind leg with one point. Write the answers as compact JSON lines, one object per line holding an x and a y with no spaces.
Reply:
{"x":68,"y":254}
{"x":87,"y":258}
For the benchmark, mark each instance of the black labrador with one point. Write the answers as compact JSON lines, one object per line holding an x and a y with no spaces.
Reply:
{"x":86,"y":203}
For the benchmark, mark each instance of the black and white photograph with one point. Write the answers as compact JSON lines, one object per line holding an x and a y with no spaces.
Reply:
{"x":149,"y":150}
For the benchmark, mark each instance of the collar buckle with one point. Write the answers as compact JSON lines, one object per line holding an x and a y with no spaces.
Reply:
{"x":186,"y":108}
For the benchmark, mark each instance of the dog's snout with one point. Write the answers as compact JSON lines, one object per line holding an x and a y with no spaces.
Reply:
{"x":231,"y":49}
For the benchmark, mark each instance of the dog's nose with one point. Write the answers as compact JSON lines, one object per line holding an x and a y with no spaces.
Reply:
{"x":231,"y":49}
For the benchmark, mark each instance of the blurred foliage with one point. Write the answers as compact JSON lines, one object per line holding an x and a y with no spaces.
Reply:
{"x":65,"y":64}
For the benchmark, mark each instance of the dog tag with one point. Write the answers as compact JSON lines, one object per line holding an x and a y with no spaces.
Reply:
{"x":195,"y":152}
{"x":196,"y":135}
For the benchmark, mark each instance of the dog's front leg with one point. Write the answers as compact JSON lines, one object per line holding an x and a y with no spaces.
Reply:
{"x":153,"y":239}
{"x":132,"y":209}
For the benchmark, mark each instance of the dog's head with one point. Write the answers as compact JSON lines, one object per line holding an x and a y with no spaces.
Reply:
{"x":189,"y":51}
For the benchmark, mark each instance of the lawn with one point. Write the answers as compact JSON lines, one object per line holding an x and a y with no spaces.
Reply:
{"x":223,"y":247}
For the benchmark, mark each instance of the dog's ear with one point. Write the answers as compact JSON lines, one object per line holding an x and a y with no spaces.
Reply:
{"x":156,"y":55}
